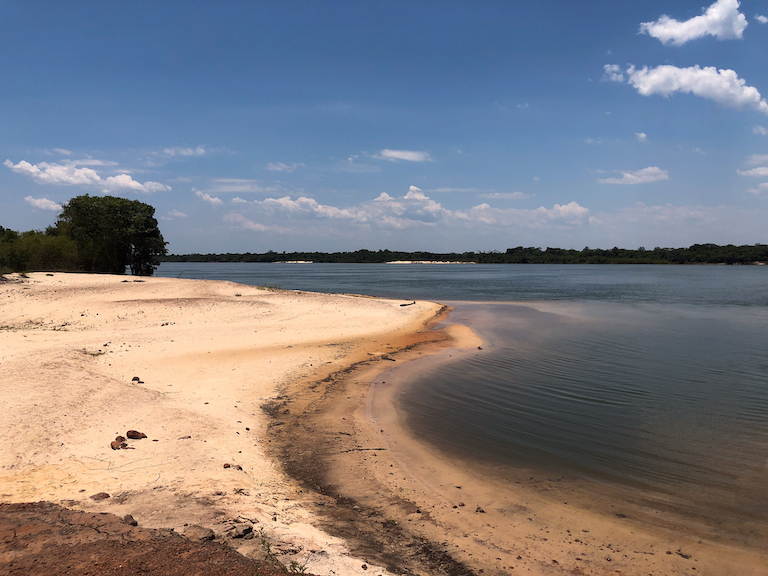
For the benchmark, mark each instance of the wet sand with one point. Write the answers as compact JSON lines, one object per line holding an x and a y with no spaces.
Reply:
{"x":386,"y":481}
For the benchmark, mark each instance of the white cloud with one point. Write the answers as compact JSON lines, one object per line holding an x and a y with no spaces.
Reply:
{"x":505,"y":196}
{"x":756,"y":159}
{"x":280,"y":167}
{"x":63,"y":151}
{"x":177,"y":214}
{"x":761,"y":190}
{"x":721,"y":20}
{"x":591,"y":140}
{"x":536,"y":178}
{"x":219,"y":185}
{"x":178,"y":151}
{"x":91,"y":162}
{"x":761,"y":130}
{"x":243,"y":223}
{"x":415,"y":210}
{"x":722,"y":86}
{"x":698,"y":150}
{"x":410,"y":155}
{"x":762,"y":19}
{"x":612,"y":73}
{"x":70,"y":175}
{"x":641,"y":136}
{"x":644,"y":176}
{"x":761,"y":172}
{"x":212,"y":200}
{"x":43,"y":203}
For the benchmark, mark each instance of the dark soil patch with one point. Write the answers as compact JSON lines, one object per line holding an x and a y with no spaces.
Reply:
{"x":44,"y":539}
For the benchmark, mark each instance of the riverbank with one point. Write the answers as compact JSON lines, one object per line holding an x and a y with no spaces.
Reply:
{"x":196,"y":366}
{"x":387,"y":491}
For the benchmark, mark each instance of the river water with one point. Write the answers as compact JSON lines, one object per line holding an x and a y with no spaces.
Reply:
{"x":653,"y":378}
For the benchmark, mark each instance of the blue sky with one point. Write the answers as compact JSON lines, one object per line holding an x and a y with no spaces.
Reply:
{"x":483,"y":125}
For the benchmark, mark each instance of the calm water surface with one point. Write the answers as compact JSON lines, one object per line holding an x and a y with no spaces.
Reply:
{"x":652,"y":377}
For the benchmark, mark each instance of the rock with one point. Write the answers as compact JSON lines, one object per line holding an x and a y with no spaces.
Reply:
{"x":135,"y":379}
{"x":238,"y":467}
{"x":119,"y":438}
{"x":130,"y":520}
{"x":479,"y":510}
{"x":135,"y":435}
{"x":185,"y":437}
{"x":198,"y":533}
{"x":241,"y":529}
{"x":227,"y":465}
{"x":115,"y":445}
{"x":100,"y":496}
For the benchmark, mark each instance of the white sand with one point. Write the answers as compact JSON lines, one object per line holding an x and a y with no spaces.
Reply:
{"x":209,"y":354}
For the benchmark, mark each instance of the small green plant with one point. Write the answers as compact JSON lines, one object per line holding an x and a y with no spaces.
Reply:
{"x":297,"y":568}
{"x":265,"y":545}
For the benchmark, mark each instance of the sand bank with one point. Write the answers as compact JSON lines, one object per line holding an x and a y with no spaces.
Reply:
{"x":190,"y":364}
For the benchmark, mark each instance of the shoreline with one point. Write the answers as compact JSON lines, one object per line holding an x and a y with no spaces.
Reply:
{"x":194,"y":365}
{"x":538,"y":524}
{"x":242,"y":375}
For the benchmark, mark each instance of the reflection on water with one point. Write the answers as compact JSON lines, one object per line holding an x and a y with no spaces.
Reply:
{"x":670,"y":399}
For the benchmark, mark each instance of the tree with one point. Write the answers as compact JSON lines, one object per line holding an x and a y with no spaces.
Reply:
{"x":112,"y":233}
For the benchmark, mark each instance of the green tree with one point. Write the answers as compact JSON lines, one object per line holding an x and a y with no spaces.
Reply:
{"x":112,"y":233}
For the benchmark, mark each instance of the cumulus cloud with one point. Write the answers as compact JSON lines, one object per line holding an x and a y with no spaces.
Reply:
{"x":43,"y":203}
{"x":761,"y":172}
{"x":70,"y":175}
{"x":179,"y":151}
{"x":280,"y":167}
{"x":505,"y":196}
{"x":756,"y":159}
{"x":721,"y":20}
{"x":761,"y":190}
{"x":205,"y":197}
{"x":644,"y":176}
{"x":410,"y":155}
{"x":762,"y":19}
{"x":722,"y":86}
{"x":415,"y":209}
{"x":641,"y":136}
{"x":761,"y":130}
{"x":612,"y":73}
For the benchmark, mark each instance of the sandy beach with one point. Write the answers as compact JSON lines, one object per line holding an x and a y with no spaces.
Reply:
{"x":274,"y":413}
{"x":86,"y":358}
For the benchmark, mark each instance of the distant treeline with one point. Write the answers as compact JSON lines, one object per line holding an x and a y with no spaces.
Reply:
{"x":696,"y":254}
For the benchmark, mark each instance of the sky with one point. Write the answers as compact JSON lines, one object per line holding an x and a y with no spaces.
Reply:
{"x":405,"y":125}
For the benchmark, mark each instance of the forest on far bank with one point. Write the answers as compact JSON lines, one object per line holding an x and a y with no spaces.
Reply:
{"x":696,"y":254}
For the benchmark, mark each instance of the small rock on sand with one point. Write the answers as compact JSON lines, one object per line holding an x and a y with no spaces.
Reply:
{"x":198,"y":533}
{"x":130,"y":520}
{"x":135,"y":435}
{"x":100,"y":496}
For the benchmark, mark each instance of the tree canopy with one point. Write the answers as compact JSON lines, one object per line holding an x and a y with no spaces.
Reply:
{"x":111,"y":233}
